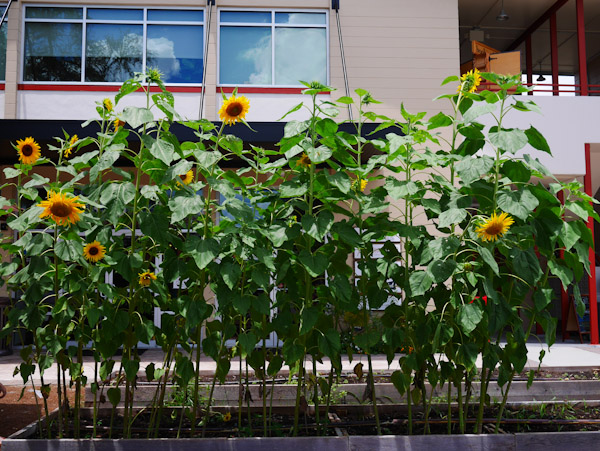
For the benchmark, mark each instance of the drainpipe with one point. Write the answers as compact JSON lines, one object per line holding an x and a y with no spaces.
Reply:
{"x":210,"y":4}
{"x":335,"y":5}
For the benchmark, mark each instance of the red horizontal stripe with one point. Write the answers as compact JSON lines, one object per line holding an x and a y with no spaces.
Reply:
{"x":100,"y":88}
{"x":2,"y":85}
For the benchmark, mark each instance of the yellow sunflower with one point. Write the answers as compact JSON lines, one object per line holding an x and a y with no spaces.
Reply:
{"x":118,"y":123}
{"x":187,"y":178}
{"x":29,"y":150}
{"x":304,"y":161}
{"x":62,"y":209}
{"x":72,"y":142}
{"x":146,"y":277}
{"x":363,"y":184}
{"x":470,"y":81}
{"x":107,"y":104}
{"x":94,"y":251}
{"x":494,"y":227}
{"x":234,"y":109}
{"x":227,"y":417}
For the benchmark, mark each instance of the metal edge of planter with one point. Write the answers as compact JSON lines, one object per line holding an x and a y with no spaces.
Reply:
{"x":542,"y":441}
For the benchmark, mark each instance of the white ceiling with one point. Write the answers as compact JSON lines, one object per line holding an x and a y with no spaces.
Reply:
{"x":523,"y":13}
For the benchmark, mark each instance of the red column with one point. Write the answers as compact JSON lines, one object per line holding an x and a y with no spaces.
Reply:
{"x":583,"y":79}
{"x":554,"y":53}
{"x":529,"y":62}
{"x":587,"y":182}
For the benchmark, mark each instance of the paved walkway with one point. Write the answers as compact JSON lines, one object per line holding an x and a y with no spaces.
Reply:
{"x":561,"y":357}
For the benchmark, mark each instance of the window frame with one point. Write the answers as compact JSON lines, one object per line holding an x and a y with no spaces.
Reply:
{"x":273,"y":25}
{"x":145,"y":22}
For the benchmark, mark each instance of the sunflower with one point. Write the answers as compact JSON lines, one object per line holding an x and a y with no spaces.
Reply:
{"x":72,"y":142}
{"x":146,"y":277}
{"x":470,"y":81}
{"x":62,"y":209}
{"x":363,"y":184}
{"x":234,"y":109}
{"x":494,"y":227}
{"x":187,"y":178}
{"x":29,"y":150}
{"x":107,"y":104}
{"x":227,"y":417}
{"x":118,"y":123}
{"x":304,"y":161}
{"x":94,"y":251}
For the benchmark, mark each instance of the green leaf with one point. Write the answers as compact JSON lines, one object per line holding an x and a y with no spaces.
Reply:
{"x":487,"y":257}
{"x":330,"y":344}
{"x":155,"y":224}
{"x":241,"y":303}
{"x":479,"y":109}
{"x":163,"y":150}
{"x":452,"y":216}
{"x":469,"y":316}
{"x":562,"y":272}
{"x":319,"y":227}
{"x":439,"y":120}
{"x":449,"y":79}
{"x":183,"y":206}
{"x":326,"y":127}
{"x":341,"y":181}
{"x":319,"y":154}
{"x":441,"y":270}
{"x":274,"y":365}
{"x":231,"y":273}
{"x":399,"y":189}
{"x":135,"y":116}
{"x":104,"y":162}
{"x":150,"y":192}
{"x":308,"y":319}
{"x":509,"y":140}
{"x":314,"y":264}
{"x":68,"y":250}
{"x":36,"y":180}
{"x":467,"y":355}
{"x":537,"y":140}
{"x":293,"y":128}
{"x":114,"y":395}
{"x":542,"y":298}
{"x":518,"y":203}
{"x":526,"y":265}
{"x":10,"y":173}
{"x":516,"y":171}
{"x":293,"y":188}
{"x":472,"y":168}
{"x":347,"y":233}
{"x":420,"y":282}
{"x":247,"y":342}
{"x":203,"y":251}
{"x":26,"y":220}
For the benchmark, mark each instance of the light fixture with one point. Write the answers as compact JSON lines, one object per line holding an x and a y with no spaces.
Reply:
{"x":541,"y":77}
{"x":502,"y":17}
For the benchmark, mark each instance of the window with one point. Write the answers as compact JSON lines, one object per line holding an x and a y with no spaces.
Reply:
{"x":272,"y":48}
{"x":3,"y":45}
{"x":83,"y":44}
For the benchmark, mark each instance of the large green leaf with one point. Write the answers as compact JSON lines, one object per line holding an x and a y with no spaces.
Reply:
{"x":318,"y":227}
{"x":527,"y":265}
{"x":330,"y":344}
{"x":183,"y":206}
{"x":341,"y":181}
{"x":452,"y":216}
{"x":399,"y":189}
{"x":420,"y":282}
{"x":479,"y":109}
{"x":537,"y":140}
{"x":136,"y":116}
{"x":293,"y":188}
{"x":155,"y":224}
{"x":315,"y":264}
{"x":68,"y":250}
{"x":469,"y":316}
{"x":202,"y":251}
{"x":518,"y":203}
{"x":104,"y":162}
{"x":319,"y":154}
{"x":472,"y":168}
{"x":247,"y":342}
{"x":164,"y":151}
{"x":562,"y":272}
{"x":441,"y":270}
{"x":487,"y":257}
{"x":231,"y":273}
{"x":509,"y":140}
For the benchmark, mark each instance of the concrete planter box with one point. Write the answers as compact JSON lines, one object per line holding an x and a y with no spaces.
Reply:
{"x":505,"y":442}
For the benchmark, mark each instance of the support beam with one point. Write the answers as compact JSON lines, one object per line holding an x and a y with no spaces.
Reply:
{"x":581,"y":52}
{"x":554,"y":53}
{"x":587,"y":182}
{"x":535,"y":25}
{"x":529,"y":62}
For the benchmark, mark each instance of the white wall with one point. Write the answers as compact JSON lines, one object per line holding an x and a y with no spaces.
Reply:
{"x":271,"y":107}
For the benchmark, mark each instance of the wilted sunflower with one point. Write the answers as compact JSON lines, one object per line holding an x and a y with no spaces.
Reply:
{"x":304,"y":161}
{"x":107,"y":104}
{"x":62,"y":209}
{"x":227,"y":417}
{"x":29,"y":150}
{"x":187,"y":178}
{"x":146,"y":277}
{"x":94,"y":251}
{"x":234,"y":109}
{"x":494,"y":227}
{"x":72,"y":142}
{"x":470,"y":81}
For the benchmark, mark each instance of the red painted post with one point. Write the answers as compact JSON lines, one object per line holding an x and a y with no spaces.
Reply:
{"x":554,"y":53}
{"x":529,"y":62}
{"x":564,"y":296}
{"x":587,"y":182}
{"x":583,"y":78}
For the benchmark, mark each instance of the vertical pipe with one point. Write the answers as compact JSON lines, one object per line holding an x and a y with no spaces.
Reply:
{"x":529,"y":62}
{"x":581,"y":51}
{"x":587,"y":181}
{"x":564,"y":296}
{"x":207,"y":21}
{"x":554,"y":53}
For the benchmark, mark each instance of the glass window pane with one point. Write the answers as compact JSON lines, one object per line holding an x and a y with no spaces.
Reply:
{"x":175,"y":15}
{"x":52,"y":52}
{"x":245,"y":17}
{"x":300,"y":18}
{"x":53,"y":13}
{"x":300,"y":54}
{"x":113,"y":52}
{"x":176,"y":50}
{"x":245,"y":55}
{"x":115,"y":14}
